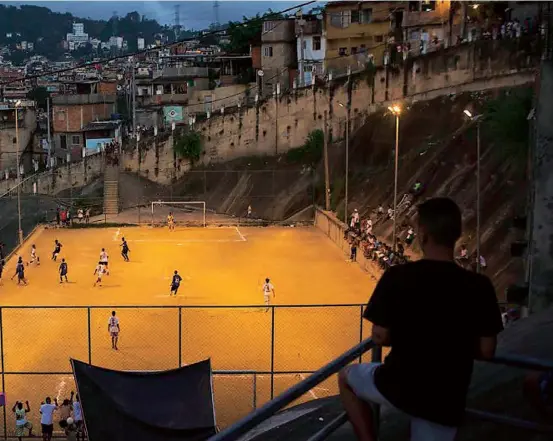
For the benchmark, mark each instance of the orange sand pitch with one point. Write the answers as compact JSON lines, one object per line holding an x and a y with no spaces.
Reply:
{"x":220,"y":267}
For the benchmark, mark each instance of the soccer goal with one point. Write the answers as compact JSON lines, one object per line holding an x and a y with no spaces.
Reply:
{"x":185,"y":213}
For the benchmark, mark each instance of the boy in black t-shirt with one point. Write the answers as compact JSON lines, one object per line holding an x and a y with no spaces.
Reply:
{"x":428,"y":371}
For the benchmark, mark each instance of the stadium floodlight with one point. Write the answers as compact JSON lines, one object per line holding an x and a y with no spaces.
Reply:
{"x":190,"y":213}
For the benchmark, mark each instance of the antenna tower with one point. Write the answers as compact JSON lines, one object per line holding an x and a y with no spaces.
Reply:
{"x":216,"y":14}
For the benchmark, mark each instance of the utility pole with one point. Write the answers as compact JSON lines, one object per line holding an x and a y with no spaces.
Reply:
{"x":177,"y":22}
{"x":134,"y":131}
{"x":301,"y":23}
{"x":327,"y":171}
{"x":277,"y":93}
{"x":49,"y":135}
{"x":20,"y":231}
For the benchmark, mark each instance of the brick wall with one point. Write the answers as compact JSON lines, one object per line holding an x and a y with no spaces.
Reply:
{"x":71,"y":118}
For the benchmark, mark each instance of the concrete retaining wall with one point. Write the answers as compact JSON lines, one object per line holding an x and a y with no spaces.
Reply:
{"x":334,"y":228}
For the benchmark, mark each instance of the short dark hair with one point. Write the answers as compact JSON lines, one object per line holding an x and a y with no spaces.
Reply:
{"x":441,"y":218}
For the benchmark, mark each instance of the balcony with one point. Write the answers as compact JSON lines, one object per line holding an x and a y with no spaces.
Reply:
{"x":164,"y":99}
{"x":310,"y":27}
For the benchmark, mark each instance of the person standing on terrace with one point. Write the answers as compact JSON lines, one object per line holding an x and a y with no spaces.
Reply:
{"x":433,"y":344}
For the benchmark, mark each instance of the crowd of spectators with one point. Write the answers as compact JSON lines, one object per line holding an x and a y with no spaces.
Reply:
{"x":64,"y":217}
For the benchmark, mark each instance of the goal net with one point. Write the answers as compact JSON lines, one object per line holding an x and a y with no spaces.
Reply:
{"x":191,"y":213}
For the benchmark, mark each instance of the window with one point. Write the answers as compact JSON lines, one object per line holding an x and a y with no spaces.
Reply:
{"x":355,"y":15}
{"x":316,"y":43}
{"x":379,"y":38}
{"x":366,"y":16}
{"x":427,"y":6}
{"x":343,"y":52}
{"x":61,"y":116}
{"x":304,"y":44}
{"x":75,"y":139}
{"x":414,"y":6}
{"x":353,"y":50}
{"x":268,"y":26}
{"x":340,"y":19}
{"x":268,"y":51}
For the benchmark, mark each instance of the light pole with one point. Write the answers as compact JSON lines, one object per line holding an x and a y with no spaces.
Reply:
{"x":20,"y":231}
{"x":477,"y":119}
{"x":346,"y":108}
{"x":396,"y":111}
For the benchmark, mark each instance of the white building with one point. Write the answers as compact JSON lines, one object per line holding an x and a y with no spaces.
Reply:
{"x":309,"y":31}
{"x":78,"y":37}
{"x":140,"y":44}
{"x":116,"y":42}
{"x":95,"y":43}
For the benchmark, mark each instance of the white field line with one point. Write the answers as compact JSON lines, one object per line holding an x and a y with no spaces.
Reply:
{"x":311,"y":390}
{"x":116,"y":234}
{"x":181,"y":241}
{"x":240,"y":234}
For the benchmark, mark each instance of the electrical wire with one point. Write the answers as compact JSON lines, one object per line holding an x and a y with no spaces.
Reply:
{"x":145,"y":51}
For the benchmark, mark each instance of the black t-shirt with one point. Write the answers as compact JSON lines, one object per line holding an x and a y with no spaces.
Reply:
{"x":436,"y":312}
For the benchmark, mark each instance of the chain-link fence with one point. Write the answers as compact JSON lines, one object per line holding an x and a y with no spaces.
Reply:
{"x":256,"y":352}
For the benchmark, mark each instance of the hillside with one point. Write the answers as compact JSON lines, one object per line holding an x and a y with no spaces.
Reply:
{"x":47,"y":29}
{"x":437,"y":147}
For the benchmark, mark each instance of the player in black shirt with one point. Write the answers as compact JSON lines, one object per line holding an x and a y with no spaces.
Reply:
{"x":57,"y":250}
{"x":437,"y":317}
{"x":63,"y":271}
{"x":125,"y":249}
{"x":175,"y":283}
{"x":20,"y":271}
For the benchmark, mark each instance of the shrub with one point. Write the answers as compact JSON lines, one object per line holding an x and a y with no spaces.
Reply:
{"x":189,"y":146}
{"x":311,"y":151}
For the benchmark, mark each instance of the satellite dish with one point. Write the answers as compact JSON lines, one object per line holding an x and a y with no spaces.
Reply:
{"x":119,"y":87}
{"x":260,"y":73}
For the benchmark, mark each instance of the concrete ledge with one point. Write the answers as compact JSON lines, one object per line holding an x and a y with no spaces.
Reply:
{"x":334,"y":228}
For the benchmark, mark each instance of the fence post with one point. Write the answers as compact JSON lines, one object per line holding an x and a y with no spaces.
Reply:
{"x":3,"y":378}
{"x":272,"y":351}
{"x":89,"y":337}
{"x":180,"y":336}
{"x":361,"y":330}
{"x":254,"y":391}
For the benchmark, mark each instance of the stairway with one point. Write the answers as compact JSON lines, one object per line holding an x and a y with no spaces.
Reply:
{"x":111,"y":190}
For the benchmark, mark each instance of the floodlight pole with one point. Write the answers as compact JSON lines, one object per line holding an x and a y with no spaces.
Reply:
{"x":20,"y":231}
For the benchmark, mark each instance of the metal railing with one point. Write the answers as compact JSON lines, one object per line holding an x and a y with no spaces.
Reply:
{"x":240,"y":428}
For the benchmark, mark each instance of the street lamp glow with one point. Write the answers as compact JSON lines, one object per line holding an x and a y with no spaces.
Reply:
{"x":467,"y":112}
{"x":395,"y":109}
{"x":341,"y":105}
{"x":18,"y":103}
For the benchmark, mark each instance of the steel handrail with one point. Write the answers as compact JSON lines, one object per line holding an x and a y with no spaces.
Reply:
{"x":247,"y":423}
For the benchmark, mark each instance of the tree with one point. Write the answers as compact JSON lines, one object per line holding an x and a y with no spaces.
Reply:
{"x":241,"y":35}
{"x":189,"y":146}
{"x":39,"y":95}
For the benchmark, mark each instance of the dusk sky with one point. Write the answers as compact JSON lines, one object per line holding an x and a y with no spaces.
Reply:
{"x":193,"y":14}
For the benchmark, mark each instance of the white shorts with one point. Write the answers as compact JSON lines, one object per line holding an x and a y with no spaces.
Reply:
{"x":360,"y":377}
{"x":267,"y":297}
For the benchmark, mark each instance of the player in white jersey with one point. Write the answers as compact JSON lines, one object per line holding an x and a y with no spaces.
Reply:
{"x":99,"y":272}
{"x":34,"y":257}
{"x":268,"y":289}
{"x":114,"y":329}
{"x":104,"y":260}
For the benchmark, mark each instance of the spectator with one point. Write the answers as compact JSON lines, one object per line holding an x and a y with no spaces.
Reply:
{"x":80,"y":215}
{"x":390,"y":213}
{"x":353,"y":254}
{"x":71,"y":431}
{"x":249,"y":214}
{"x":369,"y":227}
{"x":47,"y":419}
{"x":63,"y":216}
{"x":65,"y":411}
{"x":463,"y":257}
{"x":58,"y":215}
{"x":87,"y":216}
{"x":428,"y":385}
{"x":355,"y":220}
{"x":380,"y":211}
{"x":410,"y":236}
{"x":21,"y":422}
{"x":78,"y":416}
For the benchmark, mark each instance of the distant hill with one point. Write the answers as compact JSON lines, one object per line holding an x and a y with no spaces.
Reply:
{"x":46,"y":29}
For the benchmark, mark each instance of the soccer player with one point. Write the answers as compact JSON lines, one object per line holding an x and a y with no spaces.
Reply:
{"x":20,"y":272}
{"x":34,"y":257}
{"x":175,"y":283}
{"x":104,"y":260}
{"x":125,"y":249}
{"x":57,"y":250}
{"x":99,"y":272}
{"x":171,"y":221}
{"x":114,"y":329}
{"x":268,"y":288}
{"x":63,"y":271}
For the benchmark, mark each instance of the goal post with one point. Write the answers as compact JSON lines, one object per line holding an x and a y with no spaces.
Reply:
{"x":190,"y":213}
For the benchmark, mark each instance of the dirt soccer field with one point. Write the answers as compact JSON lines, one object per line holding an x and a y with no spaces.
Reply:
{"x":221,"y":314}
